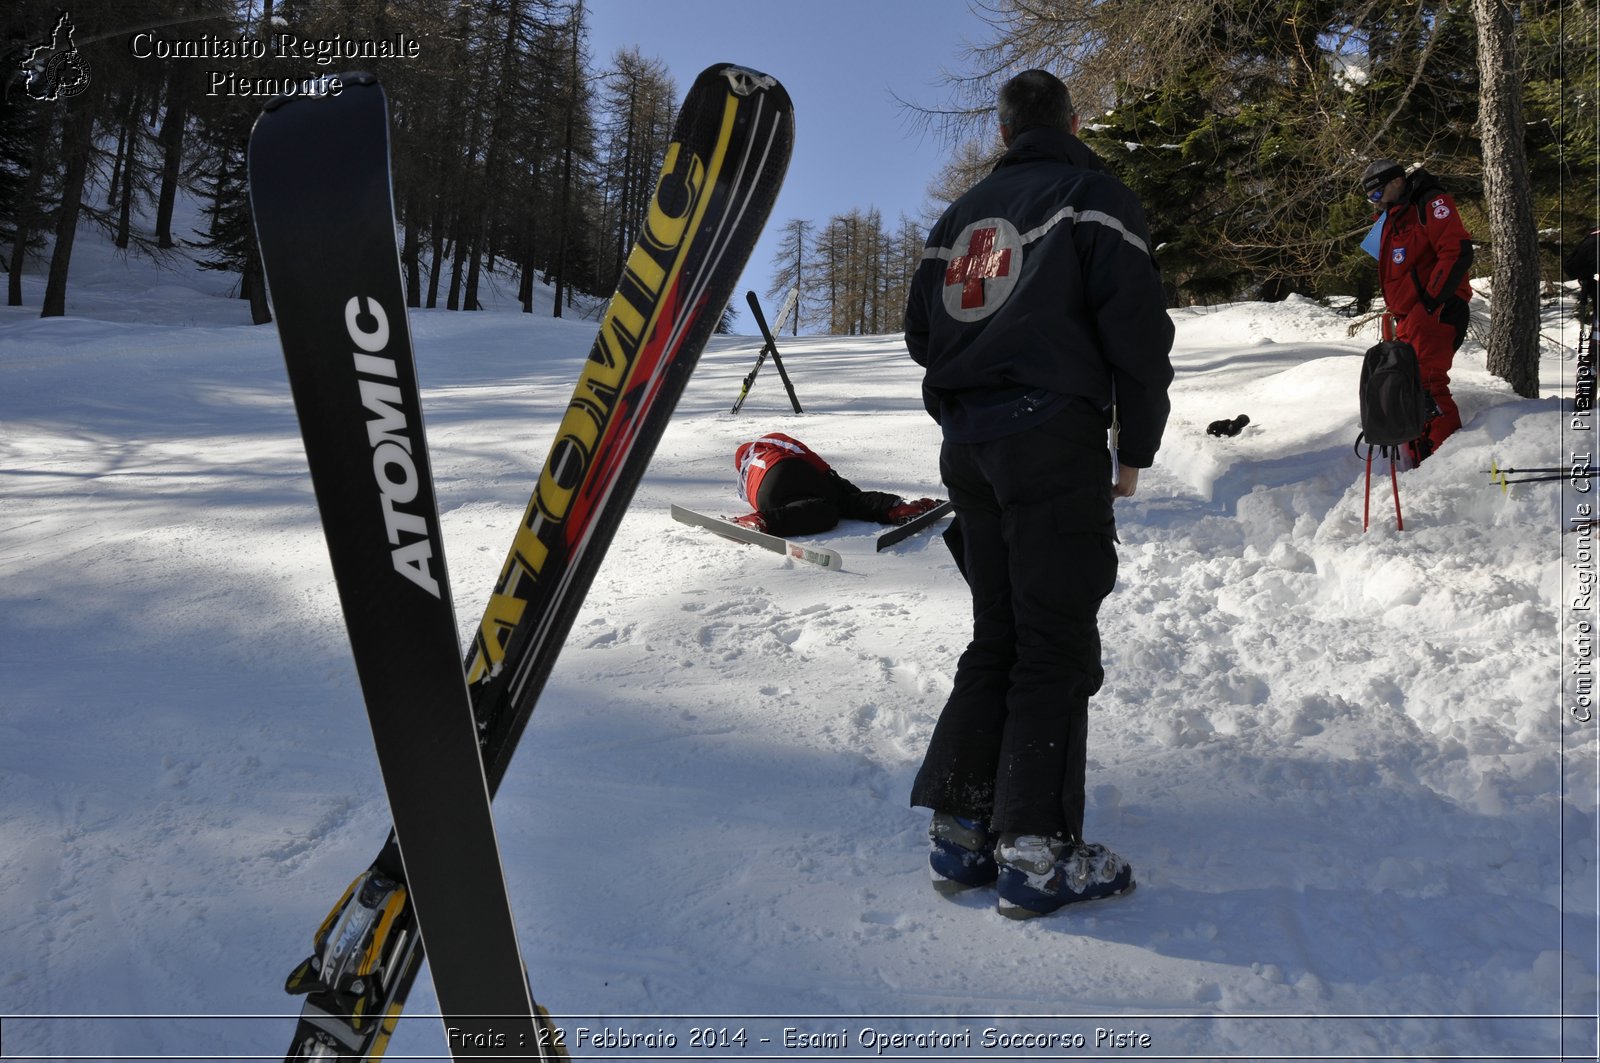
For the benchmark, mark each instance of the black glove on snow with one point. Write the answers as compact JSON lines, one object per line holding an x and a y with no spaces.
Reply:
{"x":1228,"y":428}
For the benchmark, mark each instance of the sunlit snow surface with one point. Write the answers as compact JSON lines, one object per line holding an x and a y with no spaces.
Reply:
{"x":1342,"y":764}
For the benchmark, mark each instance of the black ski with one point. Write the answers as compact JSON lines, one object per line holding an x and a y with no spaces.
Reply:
{"x":347,"y":346}
{"x":771,"y":348}
{"x":722,"y":172}
{"x":729,"y":151}
{"x":914,"y":525}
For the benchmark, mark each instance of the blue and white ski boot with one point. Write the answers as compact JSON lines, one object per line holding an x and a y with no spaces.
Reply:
{"x":961,"y":853}
{"x":1038,"y":875}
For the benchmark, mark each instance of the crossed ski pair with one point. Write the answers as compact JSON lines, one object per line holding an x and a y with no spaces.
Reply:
{"x":444,"y":731}
{"x":769,"y":345}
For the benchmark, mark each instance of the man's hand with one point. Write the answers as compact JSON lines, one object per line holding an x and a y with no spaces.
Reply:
{"x":1127,"y":482}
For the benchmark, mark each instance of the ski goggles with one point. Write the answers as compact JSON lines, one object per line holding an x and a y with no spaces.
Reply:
{"x":1373,"y":184}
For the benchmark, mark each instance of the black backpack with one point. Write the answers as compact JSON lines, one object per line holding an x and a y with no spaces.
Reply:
{"x":1394,"y":404}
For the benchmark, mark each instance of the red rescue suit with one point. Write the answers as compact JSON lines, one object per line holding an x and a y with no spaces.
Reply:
{"x":1422,"y":266}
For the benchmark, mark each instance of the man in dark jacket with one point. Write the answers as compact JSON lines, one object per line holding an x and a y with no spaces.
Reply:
{"x":1422,"y":266}
{"x":1038,"y":314}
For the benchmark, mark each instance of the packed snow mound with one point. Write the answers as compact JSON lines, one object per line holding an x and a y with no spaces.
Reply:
{"x":1340,"y":762}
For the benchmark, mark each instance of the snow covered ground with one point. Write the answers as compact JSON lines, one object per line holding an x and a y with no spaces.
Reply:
{"x":1358,"y":798}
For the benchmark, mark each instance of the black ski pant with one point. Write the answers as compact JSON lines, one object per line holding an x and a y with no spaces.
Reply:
{"x":1038,"y":542}
{"x":797,"y":498}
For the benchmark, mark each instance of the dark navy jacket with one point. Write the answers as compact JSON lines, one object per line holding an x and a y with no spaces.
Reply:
{"x":1038,"y":286}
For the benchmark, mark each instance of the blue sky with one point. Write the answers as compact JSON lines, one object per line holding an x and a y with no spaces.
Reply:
{"x":843,"y":61}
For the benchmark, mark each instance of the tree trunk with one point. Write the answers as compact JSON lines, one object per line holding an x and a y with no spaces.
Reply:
{"x":28,"y":211}
{"x":410,"y":253}
{"x":130,"y":159}
{"x":75,"y":147}
{"x":113,"y":185}
{"x":436,"y":265}
{"x":566,"y":207}
{"x":1513,"y":348}
{"x":255,"y":289}
{"x":458,"y":273}
{"x":172,"y":129}
{"x":469,"y":298}
{"x":563,"y":292}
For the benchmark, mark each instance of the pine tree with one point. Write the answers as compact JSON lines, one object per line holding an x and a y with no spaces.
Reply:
{"x":27,"y":142}
{"x":792,"y":267}
{"x":229,"y":239}
{"x":637,"y":110}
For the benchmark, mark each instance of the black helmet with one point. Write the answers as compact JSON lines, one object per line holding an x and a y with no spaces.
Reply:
{"x":1378,"y":173}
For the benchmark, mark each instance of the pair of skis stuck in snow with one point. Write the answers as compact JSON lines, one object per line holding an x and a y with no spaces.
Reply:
{"x":444,"y":729}
{"x":769,"y":346}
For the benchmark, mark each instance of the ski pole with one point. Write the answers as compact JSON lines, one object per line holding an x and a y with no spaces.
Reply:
{"x":1569,"y":478}
{"x":1571,"y":470}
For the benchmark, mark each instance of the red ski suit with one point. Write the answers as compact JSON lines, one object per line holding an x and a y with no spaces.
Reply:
{"x":754,"y":459}
{"x":797,"y":493}
{"x":1422,"y":267}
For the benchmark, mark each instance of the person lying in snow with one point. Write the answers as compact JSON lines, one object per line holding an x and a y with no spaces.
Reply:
{"x":795,"y":492}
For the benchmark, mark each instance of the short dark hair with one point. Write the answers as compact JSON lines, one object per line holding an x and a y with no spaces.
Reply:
{"x":1035,"y":98}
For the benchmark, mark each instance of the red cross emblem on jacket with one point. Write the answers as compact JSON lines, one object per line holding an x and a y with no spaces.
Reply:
{"x":982,"y":268}
{"x":981,"y":261}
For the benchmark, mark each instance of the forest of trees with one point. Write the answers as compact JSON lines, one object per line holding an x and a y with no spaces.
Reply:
{"x":852,"y":272}
{"x":515,"y":159}
{"x":1244,"y":126}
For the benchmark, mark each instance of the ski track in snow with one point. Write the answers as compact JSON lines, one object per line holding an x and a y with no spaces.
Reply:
{"x":1337,"y":760}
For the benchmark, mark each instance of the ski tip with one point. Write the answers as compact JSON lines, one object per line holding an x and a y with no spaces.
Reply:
{"x":822,"y":557}
{"x":743,"y":80}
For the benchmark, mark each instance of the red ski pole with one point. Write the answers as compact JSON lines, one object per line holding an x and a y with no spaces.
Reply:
{"x":1394,"y":481}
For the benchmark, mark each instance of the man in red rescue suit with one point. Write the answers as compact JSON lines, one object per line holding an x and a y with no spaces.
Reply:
{"x":1423,"y":261}
{"x":794,"y":492}
{"x":1037,"y":305}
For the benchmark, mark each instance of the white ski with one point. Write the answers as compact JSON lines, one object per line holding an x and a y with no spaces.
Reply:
{"x":820,"y":556}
